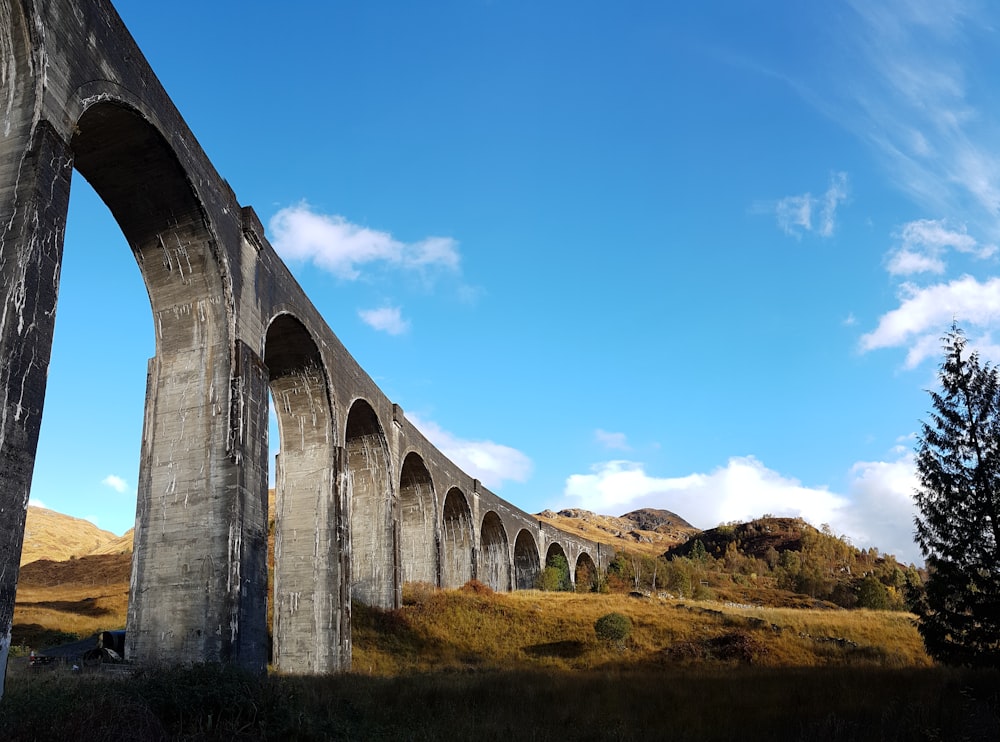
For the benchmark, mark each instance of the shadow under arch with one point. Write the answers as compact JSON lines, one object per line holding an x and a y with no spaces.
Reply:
{"x":526,"y":562}
{"x":417,"y":542}
{"x":585,"y":573}
{"x":192,"y":470}
{"x":456,"y":540}
{"x":311,"y":600}
{"x":374,"y":577}
{"x":494,"y":567}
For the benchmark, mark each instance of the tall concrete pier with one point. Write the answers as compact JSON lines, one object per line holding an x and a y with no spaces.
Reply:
{"x":363,"y":501}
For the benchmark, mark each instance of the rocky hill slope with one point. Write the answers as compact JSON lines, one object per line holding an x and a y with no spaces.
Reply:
{"x":648,"y":531}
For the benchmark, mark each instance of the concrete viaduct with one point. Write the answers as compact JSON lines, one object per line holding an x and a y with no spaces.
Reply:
{"x":364,"y":502}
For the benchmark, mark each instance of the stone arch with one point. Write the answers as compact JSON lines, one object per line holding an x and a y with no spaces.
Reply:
{"x":311,"y":602}
{"x":585,"y":574}
{"x":526,"y":564}
{"x":374,"y":578}
{"x":137,"y":174}
{"x":494,"y":565}
{"x":555,"y":549}
{"x":202,"y":458}
{"x":456,"y":540}
{"x":417,"y":544}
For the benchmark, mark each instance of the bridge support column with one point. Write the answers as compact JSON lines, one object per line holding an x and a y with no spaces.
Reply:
{"x":35,"y":172}
{"x":199,"y":573}
{"x":311,"y":555}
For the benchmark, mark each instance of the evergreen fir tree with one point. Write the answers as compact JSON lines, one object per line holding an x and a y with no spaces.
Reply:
{"x":958,"y":496}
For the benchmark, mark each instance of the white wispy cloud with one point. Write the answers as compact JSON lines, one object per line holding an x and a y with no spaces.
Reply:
{"x":911,"y":90}
{"x":877,"y":510}
{"x":612,"y":440}
{"x":385,"y":319}
{"x":807,"y":213}
{"x":336,"y":245}
{"x":924,"y":243}
{"x":491,"y":463}
{"x":115,"y":482}
{"x":32,"y":500}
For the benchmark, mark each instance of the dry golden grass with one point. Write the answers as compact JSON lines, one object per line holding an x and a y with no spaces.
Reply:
{"x":78,"y":596}
{"x":120,"y":545}
{"x":462,"y":629}
{"x":52,"y":535}
{"x":441,"y":630}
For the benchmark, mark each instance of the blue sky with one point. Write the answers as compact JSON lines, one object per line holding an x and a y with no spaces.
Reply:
{"x":605,"y":255}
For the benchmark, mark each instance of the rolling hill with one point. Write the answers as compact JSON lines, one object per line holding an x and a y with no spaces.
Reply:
{"x":57,"y":537}
{"x":648,"y":531}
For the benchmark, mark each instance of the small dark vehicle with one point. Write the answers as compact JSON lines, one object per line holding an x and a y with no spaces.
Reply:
{"x":101,"y":648}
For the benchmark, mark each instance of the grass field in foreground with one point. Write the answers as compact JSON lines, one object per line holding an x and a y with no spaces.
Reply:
{"x":677,"y":703}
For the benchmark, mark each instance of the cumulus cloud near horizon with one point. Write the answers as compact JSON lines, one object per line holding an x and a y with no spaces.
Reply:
{"x":491,"y":463}
{"x":334,"y":244}
{"x":877,"y":511}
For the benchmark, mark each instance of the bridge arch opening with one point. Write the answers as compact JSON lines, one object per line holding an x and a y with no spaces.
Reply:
{"x":374,"y":580}
{"x":310,"y":615}
{"x":456,"y":540}
{"x":556,"y":575}
{"x":526,"y":563}
{"x":494,"y":569}
{"x":585,"y":573}
{"x":135,"y":171}
{"x":418,"y":545}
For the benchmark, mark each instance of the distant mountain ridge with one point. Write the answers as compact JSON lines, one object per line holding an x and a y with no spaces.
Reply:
{"x":648,"y":530}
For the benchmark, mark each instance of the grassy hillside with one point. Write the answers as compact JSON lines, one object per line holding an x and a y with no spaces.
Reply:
{"x":54,"y":536}
{"x":470,"y":665}
{"x":751,"y":660}
{"x":120,"y":545}
{"x":467,"y":629}
{"x":76,"y":597}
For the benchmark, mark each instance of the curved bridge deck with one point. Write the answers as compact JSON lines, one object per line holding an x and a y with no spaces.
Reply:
{"x":363,"y":501}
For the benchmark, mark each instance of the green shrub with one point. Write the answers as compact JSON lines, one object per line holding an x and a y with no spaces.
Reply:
{"x":613,"y":627}
{"x":555,"y":576}
{"x":873,"y":594}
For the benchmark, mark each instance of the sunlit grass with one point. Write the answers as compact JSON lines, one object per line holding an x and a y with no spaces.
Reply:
{"x":456,"y":630}
{"x":460,"y":664}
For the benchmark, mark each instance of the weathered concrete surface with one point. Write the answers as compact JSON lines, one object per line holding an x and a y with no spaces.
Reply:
{"x":364,"y":502}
